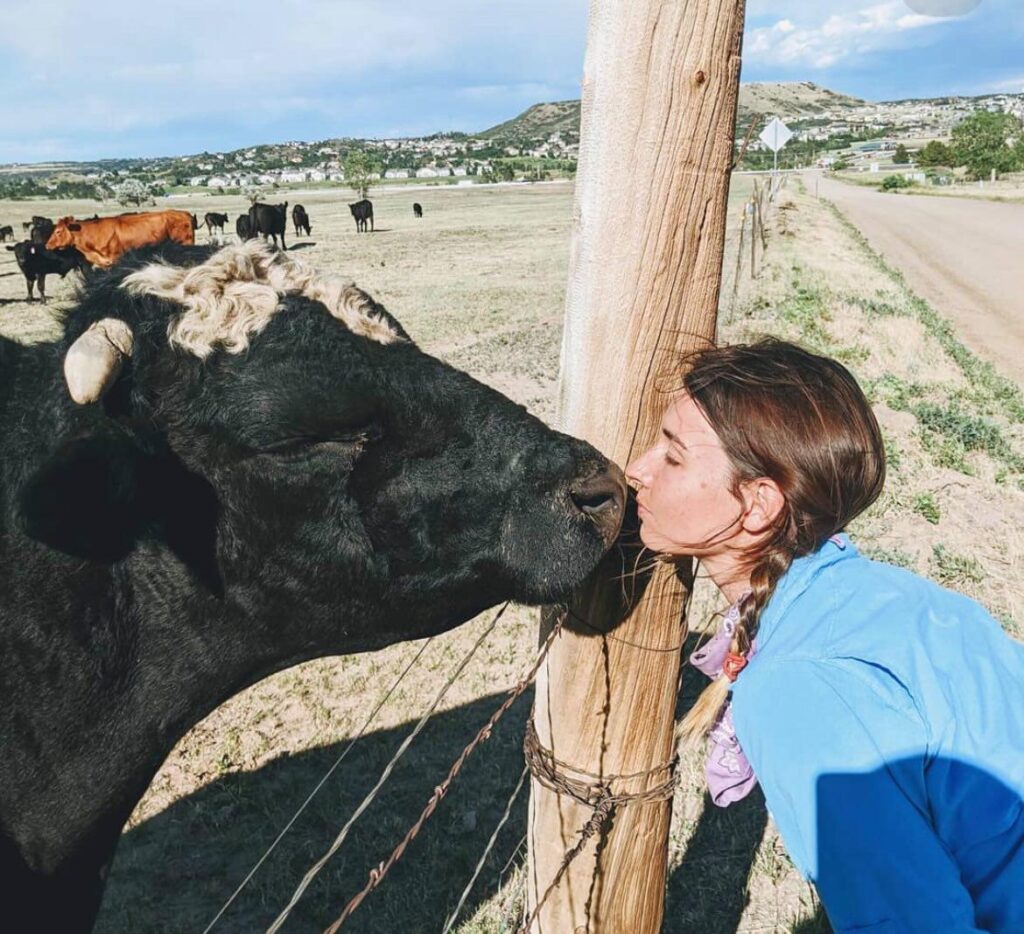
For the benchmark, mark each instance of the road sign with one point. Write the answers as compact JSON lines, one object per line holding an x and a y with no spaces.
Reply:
{"x":776,"y":134}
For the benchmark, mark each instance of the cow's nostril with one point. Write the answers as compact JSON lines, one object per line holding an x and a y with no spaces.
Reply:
{"x":601,"y":498}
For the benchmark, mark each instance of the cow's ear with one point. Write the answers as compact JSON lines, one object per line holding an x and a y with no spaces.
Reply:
{"x":11,"y":248}
{"x":98,"y":497}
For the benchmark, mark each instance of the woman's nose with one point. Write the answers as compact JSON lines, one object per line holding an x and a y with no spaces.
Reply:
{"x":637,"y":470}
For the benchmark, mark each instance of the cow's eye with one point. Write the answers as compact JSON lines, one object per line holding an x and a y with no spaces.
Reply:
{"x":350,"y":441}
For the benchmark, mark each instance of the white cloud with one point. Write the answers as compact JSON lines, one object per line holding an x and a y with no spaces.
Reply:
{"x":1014,"y":85}
{"x":839,"y":36}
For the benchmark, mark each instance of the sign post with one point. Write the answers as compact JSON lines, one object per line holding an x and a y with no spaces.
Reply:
{"x":775,"y":136}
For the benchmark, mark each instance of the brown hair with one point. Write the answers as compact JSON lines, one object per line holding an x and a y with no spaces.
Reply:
{"x":801,"y":420}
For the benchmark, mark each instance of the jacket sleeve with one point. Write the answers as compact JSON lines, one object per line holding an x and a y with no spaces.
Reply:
{"x":841,"y":760}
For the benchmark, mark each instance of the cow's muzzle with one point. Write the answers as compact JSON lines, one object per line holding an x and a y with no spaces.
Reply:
{"x":602,"y":499}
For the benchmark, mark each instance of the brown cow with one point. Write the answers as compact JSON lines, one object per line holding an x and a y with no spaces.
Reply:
{"x":103,"y":241}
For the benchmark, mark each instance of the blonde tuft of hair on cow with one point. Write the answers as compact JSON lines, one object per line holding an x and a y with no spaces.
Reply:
{"x":234,"y":294}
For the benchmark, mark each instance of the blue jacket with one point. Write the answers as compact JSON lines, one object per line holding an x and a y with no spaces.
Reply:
{"x":884,"y":719}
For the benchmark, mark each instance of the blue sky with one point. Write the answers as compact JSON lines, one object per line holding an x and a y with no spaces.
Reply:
{"x":85,"y":81}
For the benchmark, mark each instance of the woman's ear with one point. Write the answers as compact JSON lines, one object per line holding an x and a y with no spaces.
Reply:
{"x":763,"y":501}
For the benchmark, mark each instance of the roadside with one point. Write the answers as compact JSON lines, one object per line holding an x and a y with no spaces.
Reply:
{"x":960,"y":256}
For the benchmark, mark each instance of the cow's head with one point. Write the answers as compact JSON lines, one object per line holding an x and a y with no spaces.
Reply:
{"x":281,"y":433}
{"x":62,"y":235}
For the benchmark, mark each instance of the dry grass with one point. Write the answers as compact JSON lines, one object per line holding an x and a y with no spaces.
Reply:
{"x":1009,"y":187}
{"x":480,"y":281}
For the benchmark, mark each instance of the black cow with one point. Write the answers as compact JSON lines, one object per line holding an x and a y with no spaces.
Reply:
{"x":222,"y":492}
{"x":36,"y":263}
{"x":6,"y":231}
{"x":362,"y":211}
{"x":269,"y":220}
{"x":243,"y":228}
{"x":417,"y":209}
{"x":213,"y":220}
{"x":42,"y":228}
{"x":301,"y":220}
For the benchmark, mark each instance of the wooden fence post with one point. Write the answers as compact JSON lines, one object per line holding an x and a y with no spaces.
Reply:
{"x":660,"y":87}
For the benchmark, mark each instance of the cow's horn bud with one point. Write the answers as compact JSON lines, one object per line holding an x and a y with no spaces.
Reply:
{"x":95,"y":359}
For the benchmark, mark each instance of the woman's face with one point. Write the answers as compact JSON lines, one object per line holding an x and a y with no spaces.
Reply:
{"x":684,"y":487}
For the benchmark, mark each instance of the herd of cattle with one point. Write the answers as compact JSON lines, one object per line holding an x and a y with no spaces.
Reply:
{"x":57,"y":248}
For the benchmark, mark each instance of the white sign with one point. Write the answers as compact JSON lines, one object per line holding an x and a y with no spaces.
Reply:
{"x":776,"y":135}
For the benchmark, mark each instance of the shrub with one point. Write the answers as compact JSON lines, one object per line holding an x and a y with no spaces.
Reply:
{"x":895,"y":182}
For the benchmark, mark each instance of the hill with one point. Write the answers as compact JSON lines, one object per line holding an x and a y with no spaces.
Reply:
{"x":790,"y":100}
{"x":539,"y":121}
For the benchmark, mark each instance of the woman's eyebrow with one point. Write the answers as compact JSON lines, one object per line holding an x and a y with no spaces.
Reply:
{"x":675,"y":439}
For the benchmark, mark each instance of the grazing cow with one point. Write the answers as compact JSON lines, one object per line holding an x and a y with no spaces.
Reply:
{"x":6,"y":231}
{"x":417,"y":209}
{"x":213,"y":220}
{"x":104,"y":240}
{"x":235,"y":480}
{"x":243,"y":228}
{"x":301,"y":220}
{"x":362,"y":211}
{"x":36,"y":263}
{"x":41,"y":230}
{"x":269,"y":220}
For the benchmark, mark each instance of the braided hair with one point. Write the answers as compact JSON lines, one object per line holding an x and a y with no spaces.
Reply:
{"x":801,"y":420}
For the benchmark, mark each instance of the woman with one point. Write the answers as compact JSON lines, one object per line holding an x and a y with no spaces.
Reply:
{"x":882,"y":715}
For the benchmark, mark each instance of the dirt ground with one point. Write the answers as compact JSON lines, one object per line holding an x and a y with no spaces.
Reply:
{"x":962,"y":256}
{"x":480,"y":281}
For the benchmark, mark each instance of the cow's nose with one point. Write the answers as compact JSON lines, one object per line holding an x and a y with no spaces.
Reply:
{"x":601,"y":498}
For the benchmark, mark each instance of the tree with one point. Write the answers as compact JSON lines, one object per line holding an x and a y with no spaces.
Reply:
{"x":252,"y":193}
{"x":359,"y":168}
{"x":901,"y":156}
{"x":985,"y":142}
{"x":934,"y":155}
{"x":131,"y":191}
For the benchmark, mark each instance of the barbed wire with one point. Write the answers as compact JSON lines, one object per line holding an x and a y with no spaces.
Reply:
{"x":385,"y":775}
{"x":487,"y":851}
{"x":597,"y":795}
{"x":320,"y":784}
{"x":377,"y":875}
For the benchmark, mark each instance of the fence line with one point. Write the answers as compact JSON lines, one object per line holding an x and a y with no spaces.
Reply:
{"x":487,"y":851}
{"x":385,"y":775}
{"x":320,"y":784}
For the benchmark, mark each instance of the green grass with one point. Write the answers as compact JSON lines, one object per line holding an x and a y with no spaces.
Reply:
{"x":989,"y":387}
{"x":926,"y":506}
{"x":895,"y":556}
{"x":807,"y":308}
{"x":949,"y":431}
{"x":954,"y":570}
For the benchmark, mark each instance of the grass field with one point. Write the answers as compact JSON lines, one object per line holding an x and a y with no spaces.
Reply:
{"x":1009,"y":187}
{"x":480,"y":281}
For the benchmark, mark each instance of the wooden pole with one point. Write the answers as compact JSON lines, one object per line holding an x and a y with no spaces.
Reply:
{"x":660,"y":87}
{"x":753,"y":239}
{"x":759,"y":196}
{"x":739,"y":262}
